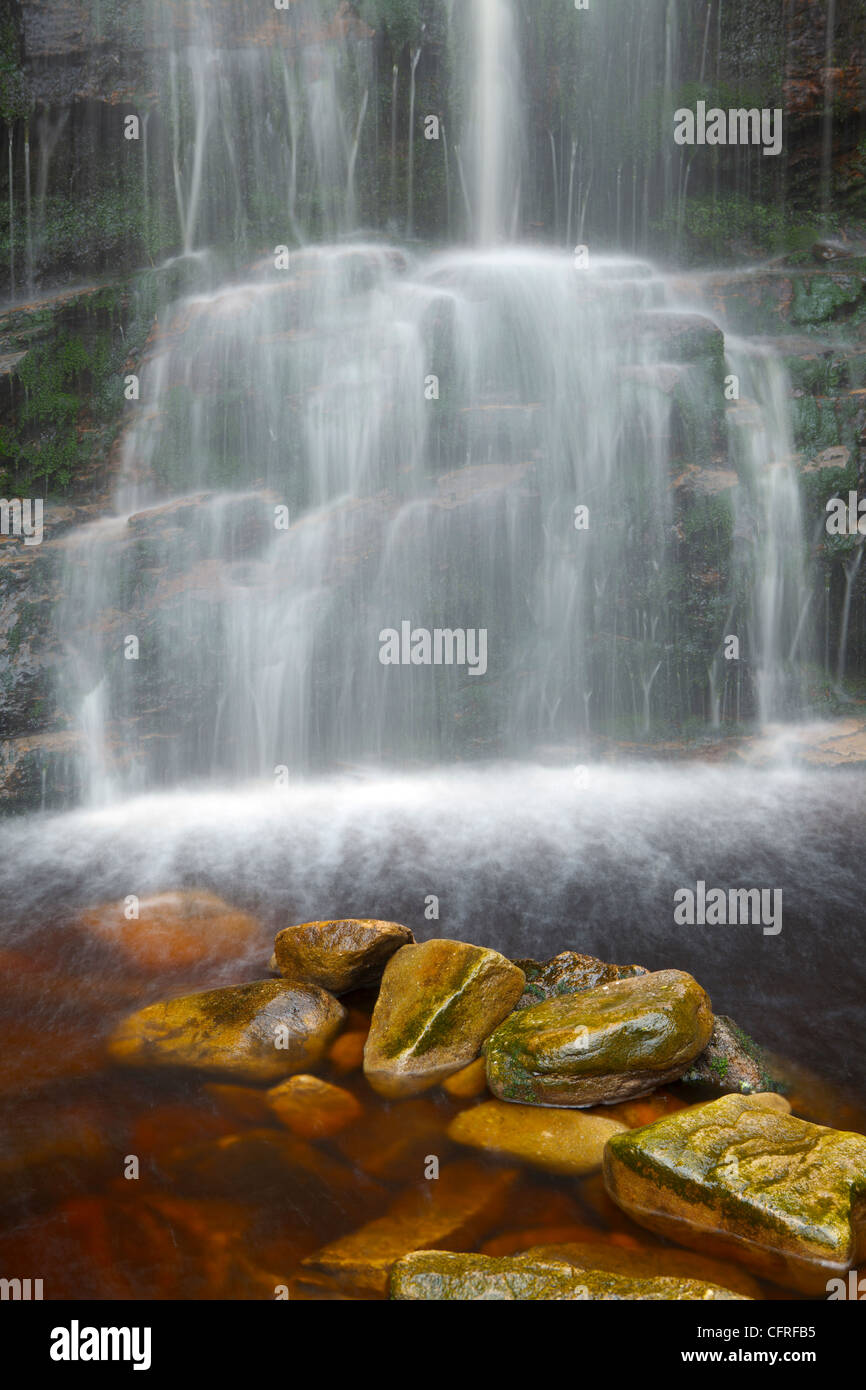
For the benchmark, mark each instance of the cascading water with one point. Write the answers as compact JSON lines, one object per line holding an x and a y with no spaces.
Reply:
{"x":331,"y":445}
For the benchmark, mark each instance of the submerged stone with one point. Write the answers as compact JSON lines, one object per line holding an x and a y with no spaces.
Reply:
{"x":175,"y":931}
{"x":258,"y":1032}
{"x":392,"y":1143}
{"x":437,"y":1003}
{"x":742,"y":1178}
{"x":606,"y":1044}
{"x":312,"y":1108}
{"x":340,"y":955}
{"x":436,"y":1276}
{"x":559,"y":1141}
{"x":468,"y":1083}
{"x":455,"y":1211}
{"x":569,"y":973}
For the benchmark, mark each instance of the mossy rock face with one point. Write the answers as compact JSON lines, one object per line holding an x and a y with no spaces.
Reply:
{"x":259,"y":1032}
{"x":438,"y":1276}
{"x":732,"y":1062}
{"x":559,"y":1141}
{"x":606,"y":1044}
{"x":340,"y":955}
{"x":742,"y":1178}
{"x":569,"y":973}
{"x":822,"y":298}
{"x":649,"y":1263}
{"x":437,"y":1003}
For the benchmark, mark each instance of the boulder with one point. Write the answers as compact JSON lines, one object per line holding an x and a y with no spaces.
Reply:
{"x":437,"y":1004}
{"x":742,"y":1178}
{"x":559,"y":1141}
{"x":731,"y":1062}
{"x":256,"y":1032}
{"x":606,"y":1044}
{"x":430,"y":1275}
{"x":569,"y":973}
{"x":339,"y":956}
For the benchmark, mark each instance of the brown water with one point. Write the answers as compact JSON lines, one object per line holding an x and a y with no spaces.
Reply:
{"x":211,"y":1220}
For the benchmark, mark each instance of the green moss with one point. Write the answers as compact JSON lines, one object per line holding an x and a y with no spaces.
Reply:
{"x":823,"y":297}
{"x":15,"y":99}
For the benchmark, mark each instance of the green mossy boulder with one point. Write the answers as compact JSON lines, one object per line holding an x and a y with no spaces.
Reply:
{"x":437,"y":1003}
{"x":436,"y":1276}
{"x":742,"y":1178}
{"x":604,"y":1045}
{"x":732,"y":1062}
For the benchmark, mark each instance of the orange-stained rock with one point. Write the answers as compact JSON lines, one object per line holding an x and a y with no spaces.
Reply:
{"x":392,"y":1143}
{"x":156,"y":1132}
{"x":339,"y":956}
{"x":262,"y":1031}
{"x":175,"y":931}
{"x":346,"y":1054}
{"x":146,"y":1245}
{"x":312,"y":1108}
{"x":452,"y":1213}
{"x":469,"y":1083}
{"x":34,"y":1055}
{"x":634,"y":1113}
{"x":244,"y":1105}
{"x":280,"y":1171}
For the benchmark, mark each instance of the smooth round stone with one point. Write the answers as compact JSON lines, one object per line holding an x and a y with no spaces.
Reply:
{"x":255,"y":1032}
{"x":603,"y":1045}
{"x":341,"y":955}
{"x":437,"y":1003}
{"x":559,"y":1141}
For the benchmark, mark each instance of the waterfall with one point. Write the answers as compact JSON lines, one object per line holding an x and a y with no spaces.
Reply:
{"x":771,"y":520}
{"x":466,"y":442}
{"x":496,"y":105}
